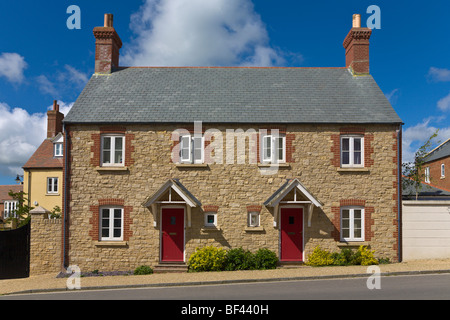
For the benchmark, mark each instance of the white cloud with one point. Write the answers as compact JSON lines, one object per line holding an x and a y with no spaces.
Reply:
{"x":64,"y":81}
{"x":416,"y":136}
{"x":199,"y":33}
{"x":12,"y":66}
{"x":46,"y":86}
{"x":392,"y":96}
{"x":444,"y":103}
{"x":21,"y":133}
{"x":439,"y":75}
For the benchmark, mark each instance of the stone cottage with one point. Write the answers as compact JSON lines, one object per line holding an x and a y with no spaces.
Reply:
{"x":162,"y":160}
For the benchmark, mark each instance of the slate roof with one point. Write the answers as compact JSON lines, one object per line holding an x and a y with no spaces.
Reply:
{"x":441,"y":151}
{"x":426,"y":192}
{"x":231,"y":95}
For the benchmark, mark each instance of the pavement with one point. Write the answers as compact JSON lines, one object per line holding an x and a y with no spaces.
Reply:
{"x":50,"y":283}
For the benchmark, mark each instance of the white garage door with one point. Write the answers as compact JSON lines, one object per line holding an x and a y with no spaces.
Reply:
{"x":426,"y":230}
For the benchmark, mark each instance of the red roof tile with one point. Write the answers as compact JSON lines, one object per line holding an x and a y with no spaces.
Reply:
{"x":4,"y":190}
{"x":43,"y":157}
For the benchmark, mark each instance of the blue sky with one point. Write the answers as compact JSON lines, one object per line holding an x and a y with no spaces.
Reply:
{"x":42,"y":60}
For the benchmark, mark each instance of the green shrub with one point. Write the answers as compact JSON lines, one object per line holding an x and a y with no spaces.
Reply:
{"x":239,"y":259}
{"x":207,"y":259}
{"x":319,"y":258}
{"x":265,"y":259}
{"x":367,"y":257}
{"x":142,"y":270}
{"x":363,"y":256}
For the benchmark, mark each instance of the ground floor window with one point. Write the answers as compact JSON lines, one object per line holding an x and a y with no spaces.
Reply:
{"x":352,"y":224}
{"x":111,"y":222}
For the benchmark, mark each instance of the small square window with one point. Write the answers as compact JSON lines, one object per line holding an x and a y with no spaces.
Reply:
{"x":253,"y":219}
{"x":210,"y":219}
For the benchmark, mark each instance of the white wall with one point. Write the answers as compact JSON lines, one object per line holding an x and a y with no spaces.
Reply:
{"x":426,"y":230}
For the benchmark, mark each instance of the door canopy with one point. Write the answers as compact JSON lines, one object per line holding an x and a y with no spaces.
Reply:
{"x":292,"y":192}
{"x":172,"y":192}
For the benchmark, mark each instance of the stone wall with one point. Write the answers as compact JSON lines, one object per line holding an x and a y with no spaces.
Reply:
{"x":45,"y":243}
{"x":230,"y":187}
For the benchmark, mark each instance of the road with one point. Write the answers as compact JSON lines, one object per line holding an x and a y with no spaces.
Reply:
{"x":423,"y":287}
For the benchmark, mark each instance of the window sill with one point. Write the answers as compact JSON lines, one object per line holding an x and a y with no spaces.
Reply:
{"x":254,"y":229}
{"x":211,"y":229}
{"x":271,"y":165}
{"x":191,"y":165}
{"x":52,"y":194}
{"x":353,"y":169}
{"x":352,"y":243}
{"x":124,"y":168}
{"x":111,"y":243}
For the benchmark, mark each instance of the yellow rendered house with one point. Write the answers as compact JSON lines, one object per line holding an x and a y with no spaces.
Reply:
{"x":43,"y":172}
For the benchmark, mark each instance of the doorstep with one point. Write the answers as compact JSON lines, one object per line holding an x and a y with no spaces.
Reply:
{"x":170,"y":267}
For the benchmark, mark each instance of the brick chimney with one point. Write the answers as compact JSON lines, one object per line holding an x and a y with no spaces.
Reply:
{"x":107,"y":46}
{"x":54,"y":121}
{"x":356,"y":46}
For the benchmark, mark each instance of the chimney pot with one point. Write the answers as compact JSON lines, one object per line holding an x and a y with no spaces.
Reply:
{"x":108,"y":20}
{"x":356,"y":21}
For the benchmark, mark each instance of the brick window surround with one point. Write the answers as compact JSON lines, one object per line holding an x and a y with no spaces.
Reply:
{"x":336,"y":145}
{"x":96,"y":148}
{"x":368,"y":221}
{"x":94,"y":221}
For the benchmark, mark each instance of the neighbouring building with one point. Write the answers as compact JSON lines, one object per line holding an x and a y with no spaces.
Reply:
{"x":162,"y":160}
{"x":43,"y":172}
{"x":437,"y":162}
{"x":7,"y":204}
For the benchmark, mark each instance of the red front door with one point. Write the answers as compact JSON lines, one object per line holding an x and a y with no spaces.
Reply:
{"x":291,"y":234}
{"x":172,"y":238}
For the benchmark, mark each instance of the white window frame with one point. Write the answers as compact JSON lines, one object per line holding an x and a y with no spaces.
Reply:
{"x":112,"y":150}
{"x":256,"y":215}
{"x":442,"y":170}
{"x":213,"y":214}
{"x":351,"y":227}
{"x":187,"y":143}
{"x":110,"y":227}
{"x":274,"y":148}
{"x":427,"y":174}
{"x":10,"y":207}
{"x":52,"y":185}
{"x":58,"y":149}
{"x":351,"y":151}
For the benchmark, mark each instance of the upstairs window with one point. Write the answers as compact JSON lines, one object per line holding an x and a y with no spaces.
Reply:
{"x":192,"y":149}
{"x":273,"y":149}
{"x":427,"y":174}
{"x":58,"y":149}
{"x":442,"y":170}
{"x":113,"y":150}
{"x":352,"y":151}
